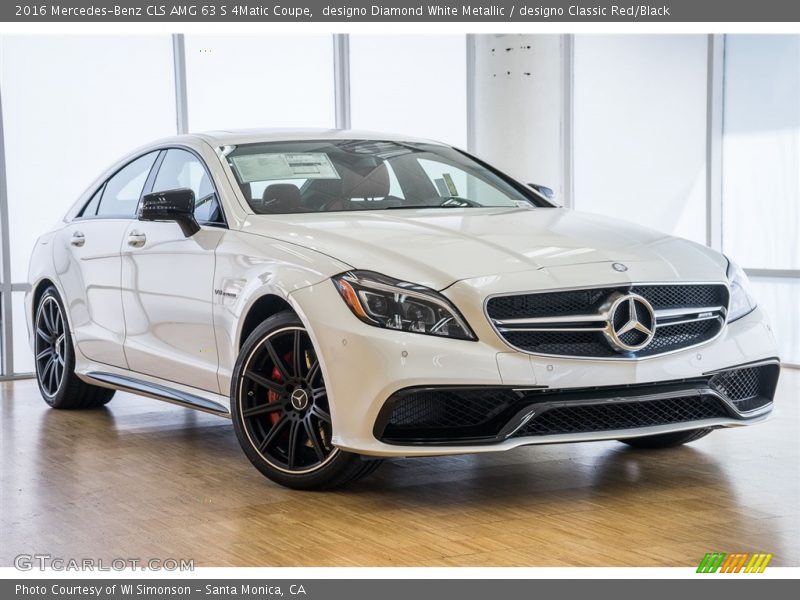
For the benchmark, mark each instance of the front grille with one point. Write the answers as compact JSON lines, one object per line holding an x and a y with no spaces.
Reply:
{"x":550,"y":304}
{"x":623,"y":415}
{"x":566,"y":343}
{"x":680,"y":296}
{"x":681,"y":336}
{"x":681,"y":321}
{"x":465,"y":415}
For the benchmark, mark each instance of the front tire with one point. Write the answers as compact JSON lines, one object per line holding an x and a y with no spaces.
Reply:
{"x":280,"y":410}
{"x":55,"y":359}
{"x":666,"y":440}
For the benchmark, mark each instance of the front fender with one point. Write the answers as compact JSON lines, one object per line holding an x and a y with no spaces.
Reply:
{"x":250,"y":267}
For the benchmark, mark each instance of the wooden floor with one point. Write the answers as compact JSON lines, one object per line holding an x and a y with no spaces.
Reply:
{"x":141,"y":479}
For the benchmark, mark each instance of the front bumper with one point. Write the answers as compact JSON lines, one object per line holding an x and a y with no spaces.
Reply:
{"x":365,"y":367}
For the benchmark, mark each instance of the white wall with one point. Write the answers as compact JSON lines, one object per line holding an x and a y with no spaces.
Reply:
{"x":242,"y":82}
{"x":640,"y":129}
{"x":415,"y":85}
{"x":519,"y":106}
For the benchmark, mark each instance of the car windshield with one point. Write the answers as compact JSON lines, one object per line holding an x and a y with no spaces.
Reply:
{"x":348,"y":175}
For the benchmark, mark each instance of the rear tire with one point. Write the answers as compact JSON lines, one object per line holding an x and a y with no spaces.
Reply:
{"x":666,"y":440}
{"x":281,"y":414}
{"x":55,"y":359}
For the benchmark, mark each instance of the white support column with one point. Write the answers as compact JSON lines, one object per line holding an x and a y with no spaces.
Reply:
{"x":341,"y":79}
{"x":6,"y":317}
{"x":470,"y":47}
{"x":179,"y":66}
{"x":518,"y":110}
{"x":715,"y":71}
{"x":567,"y":120}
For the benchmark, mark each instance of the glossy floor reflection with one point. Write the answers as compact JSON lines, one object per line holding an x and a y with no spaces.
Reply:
{"x":142,"y":479}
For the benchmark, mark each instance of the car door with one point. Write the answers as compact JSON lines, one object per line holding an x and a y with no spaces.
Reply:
{"x":167,"y":282}
{"x":87,"y":257}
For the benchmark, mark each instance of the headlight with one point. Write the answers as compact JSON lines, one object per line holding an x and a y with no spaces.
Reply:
{"x":385,"y":302}
{"x":742,"y":300}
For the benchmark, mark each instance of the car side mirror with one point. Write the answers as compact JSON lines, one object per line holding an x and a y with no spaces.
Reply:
{"x":171,"y":205}
{"x":544,"y":191}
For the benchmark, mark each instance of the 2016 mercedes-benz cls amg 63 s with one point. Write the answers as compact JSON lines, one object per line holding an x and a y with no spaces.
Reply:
{"x":344,"y":296}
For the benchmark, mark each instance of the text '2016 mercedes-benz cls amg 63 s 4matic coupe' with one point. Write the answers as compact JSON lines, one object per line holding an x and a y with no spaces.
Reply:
{"x":344,"y":296}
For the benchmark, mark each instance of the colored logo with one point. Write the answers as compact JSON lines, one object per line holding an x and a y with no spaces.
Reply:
{"x":741,"y":562}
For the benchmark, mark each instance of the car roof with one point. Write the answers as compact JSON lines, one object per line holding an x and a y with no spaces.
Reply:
{"x":234,"y":137}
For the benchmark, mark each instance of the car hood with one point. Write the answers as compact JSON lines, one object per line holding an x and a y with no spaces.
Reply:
{"x":436,"y":247}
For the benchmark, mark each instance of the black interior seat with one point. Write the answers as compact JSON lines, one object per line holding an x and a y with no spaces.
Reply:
{"x":279,"y":198}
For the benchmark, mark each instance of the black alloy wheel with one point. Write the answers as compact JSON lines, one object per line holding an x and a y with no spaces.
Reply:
{"x":55,"y":359}
{"x":50,"y":346}
{"x":281,"y":411}
{"x":284,"y":402}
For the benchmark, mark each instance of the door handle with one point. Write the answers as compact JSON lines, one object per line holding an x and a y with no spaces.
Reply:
{"x":78,"y":239}
{"x":136,"y":239}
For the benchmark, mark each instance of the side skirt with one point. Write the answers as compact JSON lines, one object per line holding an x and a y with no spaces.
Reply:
{"x":156,"y":391}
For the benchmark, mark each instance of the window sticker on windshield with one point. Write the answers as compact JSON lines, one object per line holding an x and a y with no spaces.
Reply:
{"x":451,"y":186}
{"x":441,"y":187}
{"x":290,"y":165}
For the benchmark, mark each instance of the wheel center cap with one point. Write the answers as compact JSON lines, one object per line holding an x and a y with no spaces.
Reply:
{"x":299,"y":399}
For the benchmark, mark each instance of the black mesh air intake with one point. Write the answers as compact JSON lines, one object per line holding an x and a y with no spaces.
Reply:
{"x":467,"y":415}
{"x":454,"y":413}
{"x":589,"y":418}
{"x":749,"y":388}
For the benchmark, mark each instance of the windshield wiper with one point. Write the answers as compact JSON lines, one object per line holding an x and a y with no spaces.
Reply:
{"x":424,"y":206}
{"x":446,"y":202}
{"x":459,"y":202}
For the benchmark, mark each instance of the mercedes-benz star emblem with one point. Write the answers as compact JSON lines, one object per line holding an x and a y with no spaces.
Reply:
{"x":299,"y":399}
{"x":619,"y":267}
{"x":631,"y":323}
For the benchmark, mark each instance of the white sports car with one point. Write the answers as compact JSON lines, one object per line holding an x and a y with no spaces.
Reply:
{"x":344,"y":296}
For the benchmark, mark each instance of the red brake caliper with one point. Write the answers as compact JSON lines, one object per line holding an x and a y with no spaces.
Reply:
{"x":273,"y":396}
{"x":277,"y":378}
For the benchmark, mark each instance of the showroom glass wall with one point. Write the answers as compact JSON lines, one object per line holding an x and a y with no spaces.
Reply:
{"x":71,"y":105}
{"x":761,"y":174}
{"x":646,"y":149}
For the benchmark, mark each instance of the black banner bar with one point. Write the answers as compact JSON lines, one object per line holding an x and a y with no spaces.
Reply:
{"x":733,"y":588}
{"x":400,"y":10}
